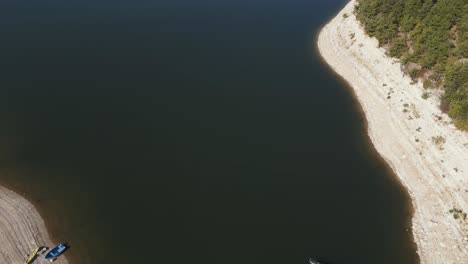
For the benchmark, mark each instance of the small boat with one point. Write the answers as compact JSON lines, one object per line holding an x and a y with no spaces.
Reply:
{"x":56,"y":251}
{"x":311,"y":261}
{"x":32,"y":256}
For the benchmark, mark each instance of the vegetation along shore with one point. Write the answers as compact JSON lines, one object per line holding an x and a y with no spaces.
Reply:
{"x":431,"y":40}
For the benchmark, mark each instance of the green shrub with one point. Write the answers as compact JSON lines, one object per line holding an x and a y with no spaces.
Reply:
{"x":414,"y":74}
{"x":427,"y":84}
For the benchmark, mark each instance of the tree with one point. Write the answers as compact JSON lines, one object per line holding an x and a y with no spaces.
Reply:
{"x":432,"y":33}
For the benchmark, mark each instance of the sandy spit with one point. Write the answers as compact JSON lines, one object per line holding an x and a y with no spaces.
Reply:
{"x":418,"y":141}
{"x":21,"y":230}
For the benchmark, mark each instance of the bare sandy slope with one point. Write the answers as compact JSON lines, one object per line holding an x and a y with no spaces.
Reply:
{"x":21,"y":230}
{"x":418,"y":141}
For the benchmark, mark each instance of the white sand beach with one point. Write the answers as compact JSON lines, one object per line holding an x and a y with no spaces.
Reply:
{"x":21,"y":230}
{"x":419,"y":142}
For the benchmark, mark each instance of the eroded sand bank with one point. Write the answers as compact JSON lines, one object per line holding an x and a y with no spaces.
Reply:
{"x":21,"y":230}
{"x":418,"y":141}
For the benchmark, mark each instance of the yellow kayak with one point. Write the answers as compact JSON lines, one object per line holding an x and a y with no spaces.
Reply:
{"x":31,"y":257}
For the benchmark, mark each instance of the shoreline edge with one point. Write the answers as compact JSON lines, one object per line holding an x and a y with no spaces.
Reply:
{"x":417,"y":140}
{"x":21,"y":229}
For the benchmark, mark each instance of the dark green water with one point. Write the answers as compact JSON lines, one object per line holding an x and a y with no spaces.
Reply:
{"x":179,"y":131}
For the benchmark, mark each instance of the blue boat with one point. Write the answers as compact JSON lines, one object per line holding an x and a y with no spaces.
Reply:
{"x":56,"y":251}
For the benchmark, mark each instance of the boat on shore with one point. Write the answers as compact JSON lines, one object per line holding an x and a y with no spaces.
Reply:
{"x":56,"y":252}
{"x":32,"y":256}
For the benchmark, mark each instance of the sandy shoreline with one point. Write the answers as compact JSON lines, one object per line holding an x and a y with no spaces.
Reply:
{"x":21,"y":229}
{"x":418,"y":141}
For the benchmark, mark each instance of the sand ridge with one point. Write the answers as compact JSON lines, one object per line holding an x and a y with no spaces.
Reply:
{"x":418,"y":141}
{"x":21,"y":230}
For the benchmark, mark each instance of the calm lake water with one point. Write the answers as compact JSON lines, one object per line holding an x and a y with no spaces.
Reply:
{"x":177,"y":131}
